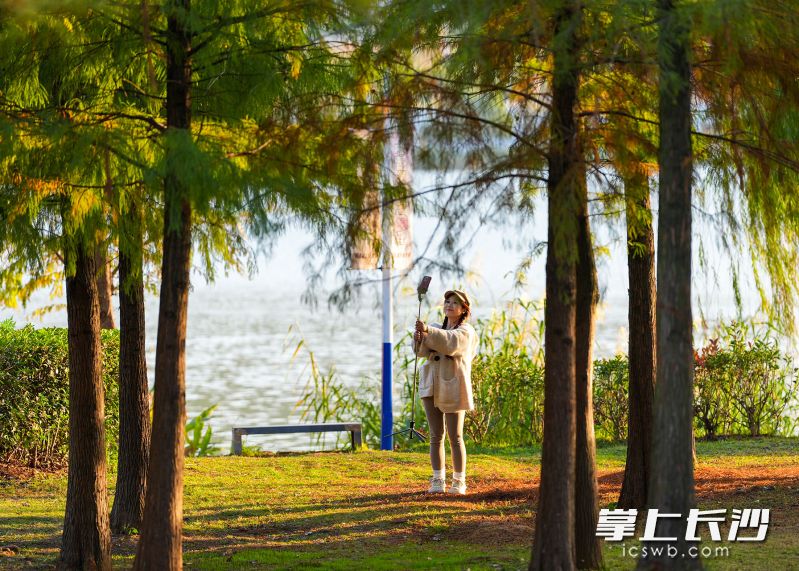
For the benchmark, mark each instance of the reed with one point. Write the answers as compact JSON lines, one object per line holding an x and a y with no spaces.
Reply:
{"x":744,"y":385}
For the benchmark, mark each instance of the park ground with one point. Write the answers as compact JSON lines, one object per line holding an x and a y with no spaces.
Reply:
{"x":368,"y":510}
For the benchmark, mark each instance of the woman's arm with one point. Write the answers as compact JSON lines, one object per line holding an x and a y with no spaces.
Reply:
{"x":449,"y":341}
{"x":419,"y":335}
{"x":421,"y":349}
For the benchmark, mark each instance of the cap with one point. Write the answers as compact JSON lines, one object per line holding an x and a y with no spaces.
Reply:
{"x":460,"y":295}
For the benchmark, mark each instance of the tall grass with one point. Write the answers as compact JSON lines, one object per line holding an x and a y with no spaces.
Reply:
{"x":327,"y":399}
{"x":507,"y":378}
{"x":744,"y":385}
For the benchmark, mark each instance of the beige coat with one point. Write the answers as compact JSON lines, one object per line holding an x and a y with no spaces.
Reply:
{"x":447,"y":374}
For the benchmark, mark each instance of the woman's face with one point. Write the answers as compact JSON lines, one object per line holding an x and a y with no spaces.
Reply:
{"x":453,"y":309}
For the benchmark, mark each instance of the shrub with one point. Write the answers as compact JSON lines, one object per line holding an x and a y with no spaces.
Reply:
{"x":509,"y":401}
{"x":741,"y":386}
{"x":508,"y":377}
{"x":744,"y":384}
{"x":34,"y":393}
{"x":712,"y":407}
{"x":611,"y":382}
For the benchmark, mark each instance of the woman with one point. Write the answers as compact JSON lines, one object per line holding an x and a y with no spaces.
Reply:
{"x":445,"y":386}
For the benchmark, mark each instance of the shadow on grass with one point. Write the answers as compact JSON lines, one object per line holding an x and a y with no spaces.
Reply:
{"x":37,"y":540}
{"x":383,"y":517}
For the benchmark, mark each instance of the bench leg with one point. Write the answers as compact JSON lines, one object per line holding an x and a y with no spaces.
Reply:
{"x":356,"y":440}
{"x":236,"y":442}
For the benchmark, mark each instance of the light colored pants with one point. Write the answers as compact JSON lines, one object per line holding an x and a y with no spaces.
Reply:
{"x":436,"y":420}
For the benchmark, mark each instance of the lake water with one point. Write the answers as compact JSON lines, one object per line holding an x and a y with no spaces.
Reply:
{"x":239,"y":345}
{"x":242,"y":334}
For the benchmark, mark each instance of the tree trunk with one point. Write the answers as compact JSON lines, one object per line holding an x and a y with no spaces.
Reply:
{"x":104,"y":287}
{"x":86,"y":542}
{"x":671,"y":485}
{"x":553,"y":546}
{"x":134,"y":406}
{"x":160,"y":545}
{"x":586,"y":508}
{"x":641,"y":272}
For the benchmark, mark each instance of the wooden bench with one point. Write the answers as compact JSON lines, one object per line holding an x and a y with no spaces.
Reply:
{"x":354,"y":429}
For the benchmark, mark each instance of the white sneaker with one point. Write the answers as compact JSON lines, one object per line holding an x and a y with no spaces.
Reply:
{"x":457,"y":487}
{"x":436,"y":485}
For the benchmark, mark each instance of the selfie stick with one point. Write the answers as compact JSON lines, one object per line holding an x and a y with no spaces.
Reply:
{"x":421,"y":290}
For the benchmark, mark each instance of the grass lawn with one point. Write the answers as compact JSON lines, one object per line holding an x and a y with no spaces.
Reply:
{"x":368,"y":510}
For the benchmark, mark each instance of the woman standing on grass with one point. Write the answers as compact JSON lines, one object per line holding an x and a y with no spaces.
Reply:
{"x":445,"y":386}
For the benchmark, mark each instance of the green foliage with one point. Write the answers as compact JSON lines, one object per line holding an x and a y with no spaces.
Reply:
{"x":34,"y":398}
{"x":515,"y":330}
{"x":509,"y":401}
{"x":34,"y":394}
{"x":508,"y":378}
{"x":712,"y":405}
{"x":611,"y":381}
{"x":752,"y":169}
{"x":199,"y":434}
{"x":744,"y":384}
{"x":84,"y":123}
{"x":328,"y":399}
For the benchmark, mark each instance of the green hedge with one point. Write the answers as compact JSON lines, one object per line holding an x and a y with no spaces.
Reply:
{"x":509,"y":401}
{"x":743,"y":385}
{"x":34,"y":394}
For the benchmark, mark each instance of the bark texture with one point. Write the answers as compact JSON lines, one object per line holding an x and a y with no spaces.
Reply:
{"x":86,"y":540}
{"x":586,"y":509}
{"x":553,"y":545}
{"x":671,"y":485}
{"x":134,"y":406}
{"x":160,"y":545}
{"x":641,"y":318}
{"x":104,"y":287}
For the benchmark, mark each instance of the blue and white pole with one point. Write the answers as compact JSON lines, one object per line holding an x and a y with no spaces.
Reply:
{"x":387,"y":422}
{"x":387,"y":416}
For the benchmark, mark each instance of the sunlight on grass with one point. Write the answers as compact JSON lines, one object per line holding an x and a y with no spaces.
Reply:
{"x":370,"y":510}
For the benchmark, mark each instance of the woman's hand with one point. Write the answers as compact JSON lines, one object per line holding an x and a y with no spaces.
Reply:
{"x":421,"y":331}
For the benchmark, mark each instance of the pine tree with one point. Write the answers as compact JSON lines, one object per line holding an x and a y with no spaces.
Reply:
{"x":231,"y":148}
{"x":671,"y":484}
{"x":49,"y":215}
{"x":134,"y":410}
{"x":553,"y":547}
